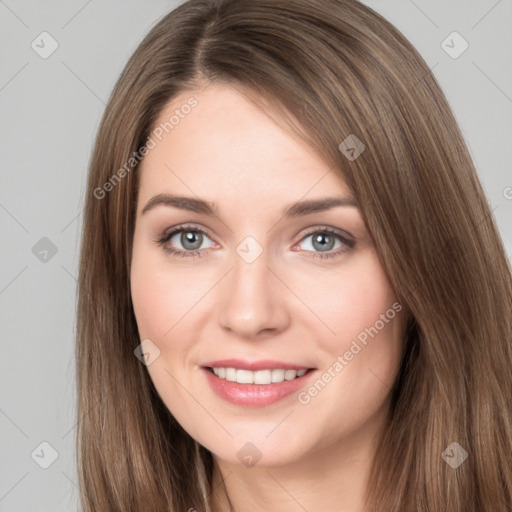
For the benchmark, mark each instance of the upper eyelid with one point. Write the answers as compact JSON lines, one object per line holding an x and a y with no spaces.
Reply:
{"x":172,"y":231}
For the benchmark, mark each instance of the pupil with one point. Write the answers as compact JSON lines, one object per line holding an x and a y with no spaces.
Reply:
{"x":188,"y":238}
{"x":320,"y":238}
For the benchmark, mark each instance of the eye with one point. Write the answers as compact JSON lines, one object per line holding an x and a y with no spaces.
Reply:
{"x":323,"y":240}
{"x":191,"y":238}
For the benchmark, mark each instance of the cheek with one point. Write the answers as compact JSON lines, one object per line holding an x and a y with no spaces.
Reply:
{"x":162,"y":295}
{"x":364,"y":345}
{"x":153,"y":301}
{"x":354,"y":301}
{"x":361,"y":350}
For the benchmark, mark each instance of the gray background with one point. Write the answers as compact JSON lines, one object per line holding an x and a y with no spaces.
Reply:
{"x":50,"y":111}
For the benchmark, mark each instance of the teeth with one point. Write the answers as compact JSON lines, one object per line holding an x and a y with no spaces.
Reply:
{"x":257,"y":377}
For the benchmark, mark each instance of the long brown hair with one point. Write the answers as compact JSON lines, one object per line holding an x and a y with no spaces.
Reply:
{"x":331,"y":69}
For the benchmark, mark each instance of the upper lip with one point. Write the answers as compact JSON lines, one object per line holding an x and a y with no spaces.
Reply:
{"x":254,"y":365}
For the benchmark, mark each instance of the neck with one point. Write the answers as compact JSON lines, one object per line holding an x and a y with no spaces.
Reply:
{"x":333,"y":476}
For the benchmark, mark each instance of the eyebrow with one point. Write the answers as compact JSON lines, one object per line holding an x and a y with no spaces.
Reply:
{"x":211,"y":209}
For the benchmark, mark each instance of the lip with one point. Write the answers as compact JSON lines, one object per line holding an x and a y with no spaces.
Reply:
{"x":255,"y":395}
{"x":239,"y":364}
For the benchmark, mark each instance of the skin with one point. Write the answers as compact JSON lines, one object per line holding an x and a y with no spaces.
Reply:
{"x":286,"y":305}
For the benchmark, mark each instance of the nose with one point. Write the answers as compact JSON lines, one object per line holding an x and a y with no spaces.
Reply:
{"x":253,"y":300}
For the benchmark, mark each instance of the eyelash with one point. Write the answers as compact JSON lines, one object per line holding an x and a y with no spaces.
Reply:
{"x":161,"y":241}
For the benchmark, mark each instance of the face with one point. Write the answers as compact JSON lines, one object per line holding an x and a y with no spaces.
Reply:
{"x":247,"y":283}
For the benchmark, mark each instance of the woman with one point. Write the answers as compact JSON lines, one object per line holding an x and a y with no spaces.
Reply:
{"x":249,"y":371}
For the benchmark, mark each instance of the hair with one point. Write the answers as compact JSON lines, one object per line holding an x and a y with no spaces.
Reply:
{"x":329,"y":69}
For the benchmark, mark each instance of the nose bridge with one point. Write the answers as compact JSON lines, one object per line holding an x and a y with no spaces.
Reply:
{"x":251,"y":301}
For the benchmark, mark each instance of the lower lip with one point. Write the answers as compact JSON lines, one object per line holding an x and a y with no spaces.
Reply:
{"x":255,"y":395}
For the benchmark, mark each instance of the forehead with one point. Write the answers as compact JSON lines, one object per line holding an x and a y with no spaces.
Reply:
{"x":216,"y":142}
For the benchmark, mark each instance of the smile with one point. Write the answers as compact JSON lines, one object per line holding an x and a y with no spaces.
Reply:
{"x":258,"y":388}
{"x":262,"y":377}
